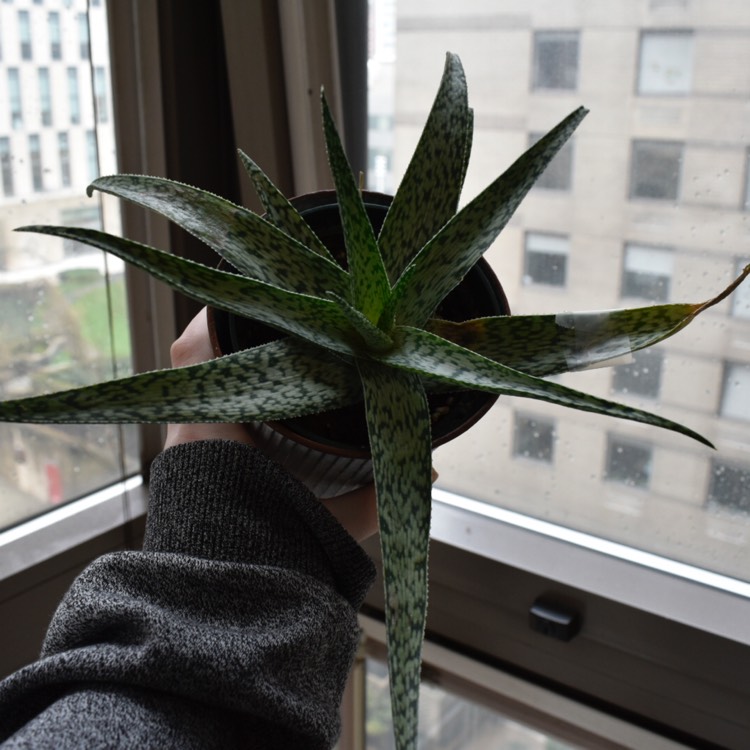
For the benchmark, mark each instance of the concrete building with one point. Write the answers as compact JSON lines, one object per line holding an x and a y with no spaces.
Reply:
{"x":56,"y":132}
{"x":647,"y":204}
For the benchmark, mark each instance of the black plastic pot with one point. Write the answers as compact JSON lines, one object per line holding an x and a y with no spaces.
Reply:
{"x":329,"y":452}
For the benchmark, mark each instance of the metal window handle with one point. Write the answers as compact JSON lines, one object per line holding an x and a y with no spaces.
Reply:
{"x":554,"y":620}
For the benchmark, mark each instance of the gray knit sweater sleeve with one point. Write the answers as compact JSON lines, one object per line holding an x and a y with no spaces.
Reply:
{"x":234,"y":627}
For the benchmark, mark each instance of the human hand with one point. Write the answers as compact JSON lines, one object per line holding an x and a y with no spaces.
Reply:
{"x":192,"y":348}
{"x":356,"y":511}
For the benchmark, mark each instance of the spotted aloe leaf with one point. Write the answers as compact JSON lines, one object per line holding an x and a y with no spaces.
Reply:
{"x":317,"y":320}
{"x":373,"y":338}
{"x":399,"y":427}
{"x":254,"y":246}
{"x":448,"y":256}
{"x":434,"y":358}
{"x":370,"y":286}
{"x":428,"y":194}
{"x":280,"y":212}
{"x":548,"y":344}
{"x":282,"y":379}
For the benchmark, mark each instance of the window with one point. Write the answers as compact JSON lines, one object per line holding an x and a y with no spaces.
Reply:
{"x":729,"y":487}
{"x":655,"y":170}
{"x":741,"y":299}
{"x":642,"y":377}
{"x":35,"y":161}
{"x":746,"y":196}
{"x":14,"y":96}
{"x":534,"y":438}
{"x":74,"y":103}
{"x":92,"y":154}
{"x":6,"y":168}
{"x":666,"y":62}
{"x":100,"y":94}
{"x":45,"y":97}
{"x":735,"y":403}
{"x":628,"y":462}
{"x":545,"y":259}
{"x":448,"y":721}
{"x":555,"y":60}
{"x":647,"y":272}
{"x":54,"y":317}
{"x":63,"y":149}
{"x":24,"y":34}
{"x":559,"y":172}
{"x":55,"y":39}
{"x":83,"y":36}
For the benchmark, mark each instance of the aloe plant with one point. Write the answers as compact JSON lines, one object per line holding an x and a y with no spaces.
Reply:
{"x":364,"y":331}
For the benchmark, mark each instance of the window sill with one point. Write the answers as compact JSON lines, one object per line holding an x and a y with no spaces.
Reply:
{"x":41,"y":538}
{"x":683,"y":593}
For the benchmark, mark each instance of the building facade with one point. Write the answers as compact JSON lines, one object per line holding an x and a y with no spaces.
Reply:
{"x":648,"y":203}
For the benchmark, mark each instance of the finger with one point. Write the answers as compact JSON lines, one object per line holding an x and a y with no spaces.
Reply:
{"x":194,"y":345}
{"x":357,"y":511}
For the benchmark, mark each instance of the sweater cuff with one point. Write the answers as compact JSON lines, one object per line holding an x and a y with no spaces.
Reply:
{"x":225,"y":501}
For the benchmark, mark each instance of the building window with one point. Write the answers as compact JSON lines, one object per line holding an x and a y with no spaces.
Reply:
{"x":655,"y":170}
{"x":741,"y":295}
{"x":55,"y":39}
{"x":45,"y":97}
{"x":642,"y":376}
{"x":545,"y":259}
{"x":24,"y":34}
{"x":729,"y":487}
{"x":14,"y":97}
{"x":555,"y":60}
{"x":746,"y":197}
{"x":734,"y":401}
{"x":558,"y":174}
{"x":647,"y":272}
{"x":35,"y":159}
{"x":63,"y":148}
{"x":628,"y":462}
{"x":665,"y":64}
{"x":100,"y":92}
{"x":92,"y":155}
{"x":74,"y":103}
{"x":6,"y":167}
{"x":534,"y":438}
{"x":83,"y":35}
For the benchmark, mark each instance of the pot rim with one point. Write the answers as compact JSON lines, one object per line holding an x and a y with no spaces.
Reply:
{"x":494,"y":293}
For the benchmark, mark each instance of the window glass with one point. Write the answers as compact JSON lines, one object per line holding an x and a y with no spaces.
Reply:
{"x":642,"y":376}
{"x":656,"y":213}
{"x":655,"y":170}
{"x":628,"y":462}
{"x":729,"y":489}
{"x":545,"y":259}
{"x":63,"y":319}
{"x":647,"y":273}
{"x":666,"y":62}
{"x":534,"y":438}
{"x":735,"y":403}
{"x":555,"y":59}
{"x":558,"y":174}
{"x":448,"y":721}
